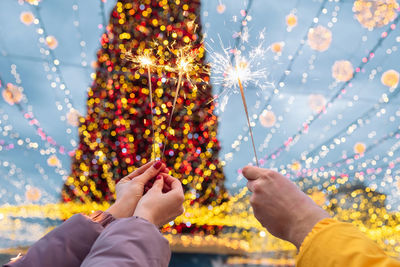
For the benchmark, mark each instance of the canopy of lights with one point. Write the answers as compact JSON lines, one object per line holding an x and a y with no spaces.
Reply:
{"x":90,"y":90}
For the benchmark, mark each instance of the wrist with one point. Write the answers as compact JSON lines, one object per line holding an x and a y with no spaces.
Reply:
{"x":304,"y":225}
{"x":121,"y":209}
{"x":145,"y":215}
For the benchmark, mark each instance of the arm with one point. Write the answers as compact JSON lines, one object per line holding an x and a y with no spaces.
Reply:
{"x":333,"y":243}
{"x":289,"y":214}
{"x":136,"y":241}
{"x":68,"y":244}
{"x":129,"y":242}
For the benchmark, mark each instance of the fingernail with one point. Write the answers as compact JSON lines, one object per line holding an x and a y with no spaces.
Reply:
{"x":157,"y":165}
{"x":159,"y":177}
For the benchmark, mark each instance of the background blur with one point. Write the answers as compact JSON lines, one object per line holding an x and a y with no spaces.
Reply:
{"x":326,"y":112}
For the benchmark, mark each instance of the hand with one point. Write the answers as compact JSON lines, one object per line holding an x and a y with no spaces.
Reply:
{"x":130,"y":189}
{"x":280,"y":206}
{"x":160,"y":205}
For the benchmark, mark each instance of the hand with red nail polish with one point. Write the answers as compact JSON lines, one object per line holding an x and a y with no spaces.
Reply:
{"x":163,"y":202}
{"x":131,"y":188}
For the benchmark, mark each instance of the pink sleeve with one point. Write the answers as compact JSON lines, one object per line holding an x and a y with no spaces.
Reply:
{"x":68,"y":244}
{"x":129,"y":242}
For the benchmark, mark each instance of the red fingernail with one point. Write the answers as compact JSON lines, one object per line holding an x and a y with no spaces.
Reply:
{"x":157,"y":165}
{"x":159,"y":177}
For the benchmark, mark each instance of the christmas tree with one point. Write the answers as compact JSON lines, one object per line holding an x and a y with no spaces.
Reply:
{"x":116,"y":134}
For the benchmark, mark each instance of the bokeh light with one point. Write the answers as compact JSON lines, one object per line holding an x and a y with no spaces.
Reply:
{"x":319,"y":38}
{"x":267,"y":118}
{"x":372,"y":14}
{"x":27,"y":18}
{"x":342,"y":70}
{"x":12,"y":94}
{"x":390,"y":78}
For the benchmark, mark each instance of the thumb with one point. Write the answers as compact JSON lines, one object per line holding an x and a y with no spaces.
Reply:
{"x":150,"y":173}
{"x":158,"y":184}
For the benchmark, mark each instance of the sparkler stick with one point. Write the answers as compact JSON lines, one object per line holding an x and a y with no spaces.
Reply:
{"x":180,"y":75}
{"x":151,"y":109}
{"x":185,"y":66}
{"x":145,"y":60}
{"x":248,"y":119}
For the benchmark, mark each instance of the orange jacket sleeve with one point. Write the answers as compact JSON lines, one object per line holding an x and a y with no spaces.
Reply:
{"x":333,"y":243}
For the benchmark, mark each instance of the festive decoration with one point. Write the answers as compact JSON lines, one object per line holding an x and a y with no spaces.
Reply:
{"x":372,"y":14}
{"x":316,"y":102}
{"x":115,"y":135}
{"x":51,"y":42}
{"x":357,"y":182}
{"x":390,"y":78}
{"x":221,"y":8}
{"x":342,"y":70}
{"x":291,"y":20}
{"x":12,"y":94}
{"x":53,"y":161}
{"x":27,"y":18}
{"x":277,"y":47}
{"x":73,"y":117}
{"x":33,"y":194}
{"x":359,"y":148}
{"x":319,"y":38}
{"x":296,"y":166}
{"x":267,"y":118}
{"x":33,"y":2}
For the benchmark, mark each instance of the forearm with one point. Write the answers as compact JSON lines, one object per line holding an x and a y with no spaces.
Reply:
{"x":68,"y":244}
{"x":333,"y":243}
{"x":129,"y":242}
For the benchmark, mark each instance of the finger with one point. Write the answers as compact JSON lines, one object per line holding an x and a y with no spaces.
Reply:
{"x":170,"y":180}
{"x":158,"y":184}
{"x":250,"y":185}
{"x":251,"y":172}
{"x":175,"y":184}
{"x":150,"y":173}
{"x":140,"y":170}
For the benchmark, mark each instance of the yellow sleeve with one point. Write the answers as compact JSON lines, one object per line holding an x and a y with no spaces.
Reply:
{"x":332,"y":243}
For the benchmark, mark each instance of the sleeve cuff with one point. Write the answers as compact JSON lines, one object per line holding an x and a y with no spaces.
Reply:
{"x":324,"y":223}
{"x":102,"y":217}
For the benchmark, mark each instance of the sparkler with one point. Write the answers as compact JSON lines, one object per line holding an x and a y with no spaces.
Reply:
{"x":146,"y":61}
{"x":185,"y":66}
{"x":238,"y":74}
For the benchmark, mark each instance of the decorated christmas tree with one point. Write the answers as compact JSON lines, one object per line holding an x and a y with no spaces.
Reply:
{"x":116,"y":134}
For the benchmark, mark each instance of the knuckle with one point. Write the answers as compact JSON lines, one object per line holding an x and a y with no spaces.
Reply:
{"x":180,"y":198}
{"x":257,"y":187}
